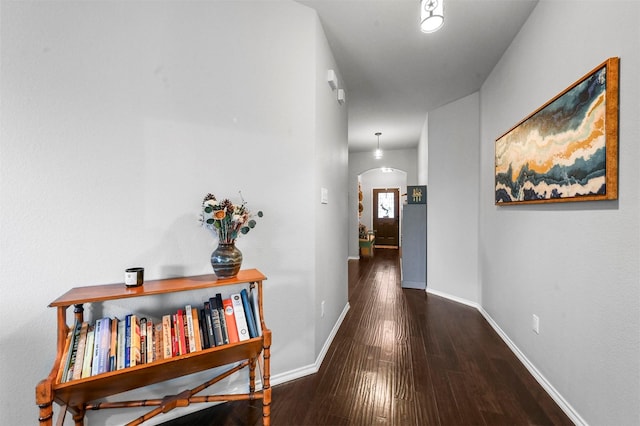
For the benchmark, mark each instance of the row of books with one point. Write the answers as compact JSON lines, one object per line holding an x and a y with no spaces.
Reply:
{"x":112,"y":344}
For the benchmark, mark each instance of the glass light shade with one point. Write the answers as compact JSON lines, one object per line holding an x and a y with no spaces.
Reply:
{"x":378,"y":154}
{"x":431,"y":15}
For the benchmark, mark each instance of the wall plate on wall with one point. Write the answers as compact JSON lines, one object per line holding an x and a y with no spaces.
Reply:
{"x":332,"y":79}
{"x":324,"y":196}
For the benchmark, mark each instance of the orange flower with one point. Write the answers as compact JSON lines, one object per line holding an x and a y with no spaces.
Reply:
{"x":219,"y":214}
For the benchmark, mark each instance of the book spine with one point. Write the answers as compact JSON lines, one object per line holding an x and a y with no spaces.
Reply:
{"x":207,"y":317}
{"x":150,"y":341}
{"x":230,"y":319}
{"x":179,"y":326}
{"x":241,"y":321}
{"x":88,"y":352}
{"x":135,"y":340}
{"x":127,"y":342}
{"x":167,"y":347}
{"x":204,"y":335}
{"x":61,"y":371}
{"x":215,"y":322}
{"x":72,"y":352}
{"x":113,"y":346}
{"x":143,"y":340}
{"x":251,"y":322}
{"x":105,"y":342}
{"x":158,"y":341}
{"x":223,"y":322}
{"x":175,"y":336}
{"x":253,"y":297}
{"x":122,"y":329}
{"x":185,"y":332}
{"x":97,"y":338}
{"x":190,"y":329}
{"x":82,"y":344}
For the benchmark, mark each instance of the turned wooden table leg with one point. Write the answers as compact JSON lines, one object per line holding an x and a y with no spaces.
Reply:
{"x":78,"y":417}
{"x":44,"y":399}
{"x":46,"y":414}
{"x":252,"y":376}
{"x":266,"y":380}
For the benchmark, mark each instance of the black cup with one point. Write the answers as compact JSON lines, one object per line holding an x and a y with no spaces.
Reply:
{"x":133,"y":277}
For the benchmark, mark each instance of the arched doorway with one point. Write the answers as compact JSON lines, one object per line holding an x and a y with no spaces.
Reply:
{"x":374,"y":180}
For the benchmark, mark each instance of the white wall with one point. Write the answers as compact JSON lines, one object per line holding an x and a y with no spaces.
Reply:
{"x":575,"y":265}
{"x":331,"y":164}
{"x":452,"y":202}
{"x":117,"y":118}
{"x":423,"y":154}
{"x":359,"y":162}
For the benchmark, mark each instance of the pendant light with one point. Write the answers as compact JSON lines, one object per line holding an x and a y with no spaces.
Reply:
{"x":431,"y":15}
{"x":378,"y":152}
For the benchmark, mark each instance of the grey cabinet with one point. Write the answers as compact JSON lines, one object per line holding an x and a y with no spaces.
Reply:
{"x":414,"y":246}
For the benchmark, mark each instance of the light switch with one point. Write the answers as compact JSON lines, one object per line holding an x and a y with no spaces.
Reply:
{"x":324,"y":195}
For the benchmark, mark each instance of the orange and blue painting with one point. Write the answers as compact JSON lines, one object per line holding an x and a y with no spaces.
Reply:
{"x":560,"y":152}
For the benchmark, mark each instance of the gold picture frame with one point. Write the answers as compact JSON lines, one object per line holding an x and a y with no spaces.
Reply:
{"x":566,"y":150}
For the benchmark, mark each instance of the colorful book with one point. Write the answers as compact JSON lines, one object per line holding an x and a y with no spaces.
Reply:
{"x":215,"y":322}
{"x":134,"y":356}
{"x":175,"y":336}
{"x":105,"y":343}
{"x":150,"y":341}
{"x":88,"y":352}
{"x":82,"y":344}
{"x":253,"y":297}
{"x":230,"y":319}
{"x":207,"y":318}
{"x":127,"y":341}
{"x":241,"y":320}
{"x":97,"y":340}
{"x":185,"y":331}
{"x":167,"y":346}
{"x":143,"y":340}
{"x":120,"y":357}
{"x":223,"y":322}
{"x":158,"y":341}
{"x":63,"y":363}
{"x":62,"y":367}
{"x":179,"y":327}
{"x":113,"y":345}
{"x":195,"y":323}
{"x":203,"y":329}
{"x":71,"y":353}
{"x":248,"y":311}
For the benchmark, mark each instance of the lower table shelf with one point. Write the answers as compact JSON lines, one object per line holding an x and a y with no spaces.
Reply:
{"x":79,"y":396}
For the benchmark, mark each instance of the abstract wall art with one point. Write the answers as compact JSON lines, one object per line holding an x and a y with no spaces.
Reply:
{"x":567,"y":150}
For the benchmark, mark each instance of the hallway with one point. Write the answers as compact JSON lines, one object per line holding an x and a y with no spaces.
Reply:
{"x":403,"y":357}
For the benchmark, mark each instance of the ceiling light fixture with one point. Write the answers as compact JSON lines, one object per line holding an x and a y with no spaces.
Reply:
{"x":378,"y":152}
{"x":431,"y":15}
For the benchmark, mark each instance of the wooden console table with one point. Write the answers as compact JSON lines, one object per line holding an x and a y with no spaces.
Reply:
{"x":78,"y":396}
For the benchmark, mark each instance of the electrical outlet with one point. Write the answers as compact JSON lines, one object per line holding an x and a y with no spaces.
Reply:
{"x":322,"y":309}
{"x":536,"y":324}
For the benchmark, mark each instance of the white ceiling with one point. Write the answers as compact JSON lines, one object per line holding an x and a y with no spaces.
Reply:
{"x":394,"y":74}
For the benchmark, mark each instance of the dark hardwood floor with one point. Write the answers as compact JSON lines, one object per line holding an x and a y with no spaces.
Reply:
{"x":403,"y":357}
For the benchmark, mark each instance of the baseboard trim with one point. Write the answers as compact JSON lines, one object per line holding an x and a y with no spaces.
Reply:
{"x":546,"y":385}
{"x":315,"y":367}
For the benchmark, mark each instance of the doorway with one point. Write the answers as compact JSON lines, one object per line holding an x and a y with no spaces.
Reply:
{"x":386,"y":216}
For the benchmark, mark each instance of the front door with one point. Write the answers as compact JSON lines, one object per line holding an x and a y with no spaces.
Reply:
{"x":386,"y":221}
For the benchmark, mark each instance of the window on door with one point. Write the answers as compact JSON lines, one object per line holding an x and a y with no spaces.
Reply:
{"x":386,"y":221}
